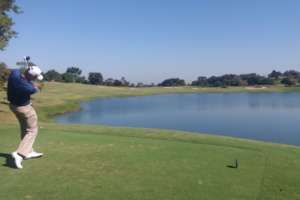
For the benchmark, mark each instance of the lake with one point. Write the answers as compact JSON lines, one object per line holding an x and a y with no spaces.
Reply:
{"x":273,"y":117}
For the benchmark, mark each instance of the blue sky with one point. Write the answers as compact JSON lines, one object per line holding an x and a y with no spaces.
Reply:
{"x":150,"y":40}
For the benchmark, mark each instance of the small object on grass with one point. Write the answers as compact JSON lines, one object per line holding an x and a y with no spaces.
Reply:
{"x":236,"y":164}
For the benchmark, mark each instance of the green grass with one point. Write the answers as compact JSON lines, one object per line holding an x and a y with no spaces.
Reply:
{"x":101,"y":162}
{"x":92,"y":162}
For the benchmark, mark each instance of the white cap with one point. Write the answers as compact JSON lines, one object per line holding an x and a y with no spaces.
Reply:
{"x":36,"y":71}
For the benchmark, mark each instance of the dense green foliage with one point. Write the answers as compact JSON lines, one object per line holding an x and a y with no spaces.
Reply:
{"x":72,"y":75}
{"x":95,"y":78}
{"x":172,"y":82}
{"x":287,"y":81}
{"x":6,"y":22}
{"x":53,"y":75}
{"x":116,"y":82}
{"x":4,"y":73}
{"x":288,"y":78}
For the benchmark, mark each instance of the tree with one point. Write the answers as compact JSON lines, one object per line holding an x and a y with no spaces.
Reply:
{"x":81,"y":79}
{"x":231,"y":80}
{"x":117,"y":83}
{"x":6,"y":22}
{"x":4,"y":73}
{"x":95,"y":78}
{"x":266,"y":81}
{"x":68,"y":77}
{"x":215,"y":81}
{"x":72,"y":75}
{"x":74,"y":70}
{"x":124,"y":81}
{"x":201,"y":81}
{"x":109,"y":82}
{"x":274,"y":74}
{"x":287,"y":81}
{"x":291,"y":74}
{"x":52,"y":75}
{"x":173,"y":82}
{"x":252,"y":79}
{"x":255,"y":79}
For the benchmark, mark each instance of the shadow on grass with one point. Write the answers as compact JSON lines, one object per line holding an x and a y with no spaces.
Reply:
{"x":232,"y":166}
{"x":9,"y":160}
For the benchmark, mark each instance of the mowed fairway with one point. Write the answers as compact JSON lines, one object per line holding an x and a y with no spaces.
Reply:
{"x":88,"y":162}
{"x":100,"y":162}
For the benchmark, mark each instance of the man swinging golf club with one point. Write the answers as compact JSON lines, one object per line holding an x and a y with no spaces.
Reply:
{"x":20,"y":87}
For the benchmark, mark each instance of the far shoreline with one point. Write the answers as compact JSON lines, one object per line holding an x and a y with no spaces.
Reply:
{"x":59,"y":98}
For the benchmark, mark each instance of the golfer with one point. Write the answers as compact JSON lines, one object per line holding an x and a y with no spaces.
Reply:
{"x":20,"y":87}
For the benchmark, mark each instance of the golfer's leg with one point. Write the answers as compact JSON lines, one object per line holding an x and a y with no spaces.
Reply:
{"x":20,"y":117}
{"x":31,"y":131}
{"x":22,"y":123}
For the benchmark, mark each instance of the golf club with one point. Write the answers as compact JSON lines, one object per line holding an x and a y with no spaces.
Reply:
{"x":26,"y":59}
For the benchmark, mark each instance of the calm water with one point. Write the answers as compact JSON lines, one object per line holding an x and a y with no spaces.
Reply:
{"x":268,"y":116}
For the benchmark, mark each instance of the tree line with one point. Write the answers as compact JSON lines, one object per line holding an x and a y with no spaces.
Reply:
{"x":288,"y":78}
{"x":74,"y":75}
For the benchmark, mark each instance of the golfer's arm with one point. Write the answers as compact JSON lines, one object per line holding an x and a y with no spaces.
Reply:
{"x":27,"y":88}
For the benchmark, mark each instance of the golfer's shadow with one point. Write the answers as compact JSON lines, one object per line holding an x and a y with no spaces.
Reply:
{"x":9,"y":162}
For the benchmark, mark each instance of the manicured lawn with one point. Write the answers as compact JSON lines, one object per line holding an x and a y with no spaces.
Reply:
{"x":92,"y":162}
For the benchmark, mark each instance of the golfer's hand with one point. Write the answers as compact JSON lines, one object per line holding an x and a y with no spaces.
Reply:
{"x":38,"y":86}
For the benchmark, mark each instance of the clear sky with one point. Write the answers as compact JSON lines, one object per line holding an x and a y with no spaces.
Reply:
{"x":150,"y":40}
